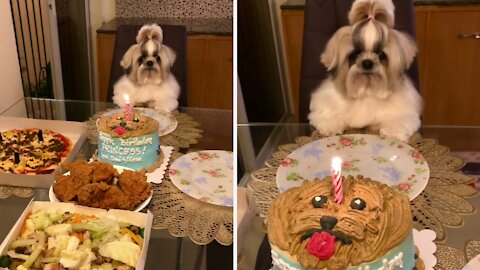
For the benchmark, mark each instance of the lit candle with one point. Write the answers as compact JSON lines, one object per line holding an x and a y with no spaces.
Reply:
{"x":337,"y":179}
{"x":128,"y":108}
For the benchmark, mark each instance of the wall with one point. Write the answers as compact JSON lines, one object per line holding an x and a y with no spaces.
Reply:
{"x":100,"y":12}
{"x":9,"y":67}
{"x":175,"y":8}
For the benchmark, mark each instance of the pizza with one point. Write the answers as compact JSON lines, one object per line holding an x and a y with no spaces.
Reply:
{"x":32,"y":150}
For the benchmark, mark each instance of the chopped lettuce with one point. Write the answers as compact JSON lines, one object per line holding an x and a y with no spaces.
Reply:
{"x":59,"y":242}
{"x":77,"y":259}
{"x":41,"y":220}
{"x":59,"y":229}
{"x":124,"y":251}
{"x":97,"y":227}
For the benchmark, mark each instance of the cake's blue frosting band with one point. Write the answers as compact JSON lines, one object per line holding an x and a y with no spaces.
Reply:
{"x":134,"y":153}
{"x":406,"y":250}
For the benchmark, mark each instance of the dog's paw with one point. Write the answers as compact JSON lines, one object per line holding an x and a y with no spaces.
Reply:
{"x":166,"y":105}
{"x":395,"y":132}
{"x":328,"y":128}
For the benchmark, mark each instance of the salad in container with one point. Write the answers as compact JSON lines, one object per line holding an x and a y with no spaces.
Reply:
{"x":55,"y":236}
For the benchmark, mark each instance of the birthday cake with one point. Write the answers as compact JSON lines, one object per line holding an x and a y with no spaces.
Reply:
{"x":130,"y":141}
{"x":370,"y":229}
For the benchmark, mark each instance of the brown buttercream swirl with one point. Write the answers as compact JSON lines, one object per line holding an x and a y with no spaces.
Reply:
{"x":145,"y":125}
{"x":382,"y":225}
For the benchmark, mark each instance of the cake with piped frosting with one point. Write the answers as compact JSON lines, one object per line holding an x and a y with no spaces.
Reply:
{"x":131,"y":142}
{"x":370,"y":229}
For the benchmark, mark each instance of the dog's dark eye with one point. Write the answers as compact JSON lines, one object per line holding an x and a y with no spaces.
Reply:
{"x":119,"y":118}
{"x":382,"y":55}
{"x":319,"y":201}
{"x":158,"y":58}
{"x":353,"y":56}
{"x":141,"y":59}
{"x":358,"y":204}
{"x":136,"y":120}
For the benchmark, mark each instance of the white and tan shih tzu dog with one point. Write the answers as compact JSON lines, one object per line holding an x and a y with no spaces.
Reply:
{"x":367,"y":85}
{"x":148,"y":79}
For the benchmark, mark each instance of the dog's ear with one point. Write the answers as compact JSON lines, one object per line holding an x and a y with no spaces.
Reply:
{"x":170,"y":54}
{"x":278,"y":231}
{"x":127,"y":59}
{"x":395,"y":221}
{"x":331,"y":56}
{"x":403,"y":47}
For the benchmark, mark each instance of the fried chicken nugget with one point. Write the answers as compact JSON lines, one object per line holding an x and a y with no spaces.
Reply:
{"x":80,"y":170}
{"x":103,"y":172}
{"x":65,"y":187}
{"x":104,"y":196}
{"x":134,"y":184}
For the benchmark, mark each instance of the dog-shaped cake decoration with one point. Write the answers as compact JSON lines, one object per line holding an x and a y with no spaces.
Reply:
{"x":371,"y":220}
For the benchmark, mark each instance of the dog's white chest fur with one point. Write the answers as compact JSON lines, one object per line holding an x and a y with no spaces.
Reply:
{"x":163,"y":96}
{"x":397,"y":115}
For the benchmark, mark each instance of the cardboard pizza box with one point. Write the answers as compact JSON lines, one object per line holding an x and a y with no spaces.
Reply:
{"x":75,"y":131}
{"x":143,"y":220}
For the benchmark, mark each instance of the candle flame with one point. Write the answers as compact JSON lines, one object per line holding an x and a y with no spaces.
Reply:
{"x":336,"y":164}
{"x":126,"y":97}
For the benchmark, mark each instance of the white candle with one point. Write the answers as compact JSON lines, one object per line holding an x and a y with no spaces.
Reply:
{"x":337,"y":179}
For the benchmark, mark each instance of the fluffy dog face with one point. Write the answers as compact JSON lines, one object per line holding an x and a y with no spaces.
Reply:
{"x":371,"y":220}
{"x":369,"y":58}
{"x":148,"y":61}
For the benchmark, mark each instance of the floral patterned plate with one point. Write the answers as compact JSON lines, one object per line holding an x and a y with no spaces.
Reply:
{"x":205,"y":175}
{"x":383,"y":159}
{"x":167,"y":122}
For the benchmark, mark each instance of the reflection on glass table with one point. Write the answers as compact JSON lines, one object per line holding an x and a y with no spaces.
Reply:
{"x":165,"y":251}
{"x":459,"y":231}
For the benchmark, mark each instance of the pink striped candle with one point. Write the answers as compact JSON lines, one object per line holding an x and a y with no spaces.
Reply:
{"x":128,"y":108}
{"x":337,"y":179}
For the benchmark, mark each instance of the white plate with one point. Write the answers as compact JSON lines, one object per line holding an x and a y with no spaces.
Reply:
{"x":205,"y":175}
{"x":383,"y":159}
{"x":53,"y":198}
{"x":424,"y":241}
{"x":167,"y":122}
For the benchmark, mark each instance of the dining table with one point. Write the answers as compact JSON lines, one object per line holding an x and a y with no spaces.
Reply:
{"x":448,"y":203}
{"x":167,"y":249}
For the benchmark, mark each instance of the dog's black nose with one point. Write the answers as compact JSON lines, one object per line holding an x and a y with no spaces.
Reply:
{"x":367,"y":64}
{"x":149,"y":63}
{"x":123,"y":124}
{"x":328,"y":222}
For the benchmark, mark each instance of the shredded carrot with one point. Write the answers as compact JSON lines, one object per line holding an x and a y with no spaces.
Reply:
{"x":24,"y":224}
{"x":135,"y":237}
{"x":78,"y":235}
{"x":77,"y":218}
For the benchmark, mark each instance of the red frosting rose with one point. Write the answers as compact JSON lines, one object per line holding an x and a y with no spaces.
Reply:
{"x":416,"y":155}
{"x":120,"y":130}
{"x":321,"y":245}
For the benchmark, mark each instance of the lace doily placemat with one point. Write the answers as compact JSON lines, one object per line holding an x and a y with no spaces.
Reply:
{"x":187,"y":132}
{"x":185,"y":216}
{"x":442,"y":204}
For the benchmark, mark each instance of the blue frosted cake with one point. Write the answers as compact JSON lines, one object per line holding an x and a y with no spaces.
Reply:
{"x":371,"y":229}
{"x":132,"y":143}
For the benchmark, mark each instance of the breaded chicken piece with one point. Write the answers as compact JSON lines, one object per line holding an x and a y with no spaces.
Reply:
{"x":135,"y":186}
{"x":65,"y":187}
{"x":104,"y":196}
{"x":80,"y":170}
{"x":103,"y":172}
